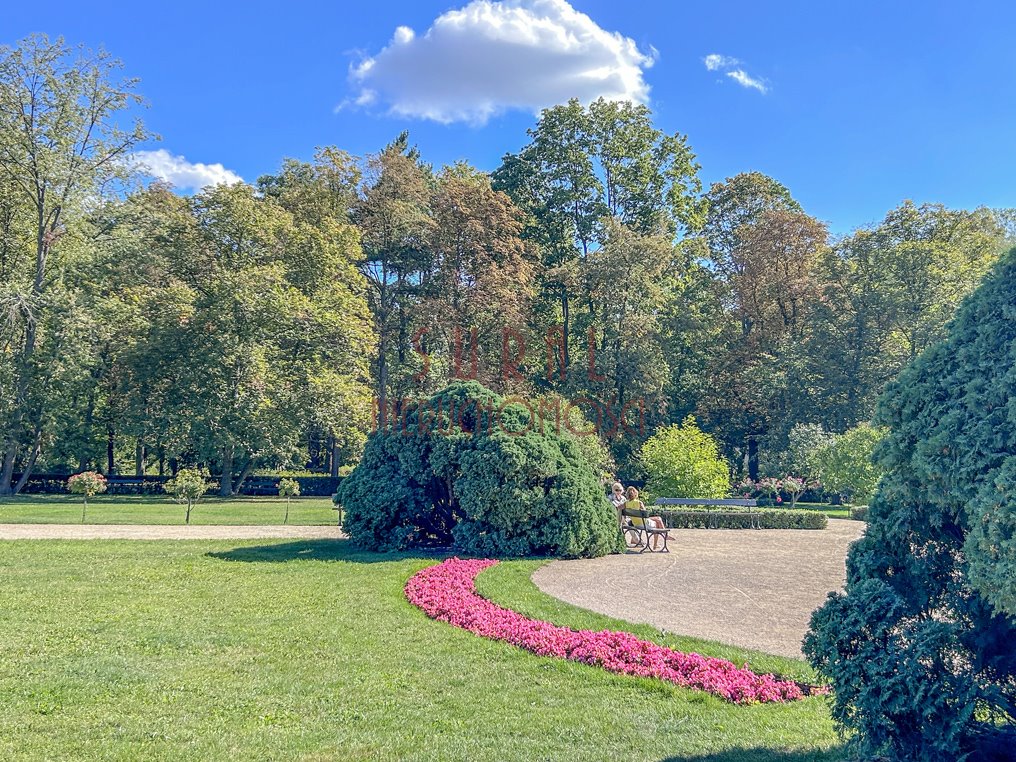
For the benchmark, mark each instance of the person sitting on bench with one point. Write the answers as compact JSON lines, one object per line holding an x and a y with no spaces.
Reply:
{"x":656,"y":522}
{"x":618,"y":499}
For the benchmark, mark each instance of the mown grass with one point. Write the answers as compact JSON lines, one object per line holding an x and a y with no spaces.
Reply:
{"x":154,"y":509}
{"x":832,"y":511}
{"x":117,"y":650}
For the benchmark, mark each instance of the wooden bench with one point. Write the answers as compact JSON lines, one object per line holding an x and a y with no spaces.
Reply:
{"x":714,"y":508}
{"x":639,"y":536}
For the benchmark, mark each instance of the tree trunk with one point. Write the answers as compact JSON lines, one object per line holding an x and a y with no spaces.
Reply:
{"x":334,"y":457}
{"x":110,"y":452}
{"x":226,"y":484}
{"x":753,"y":458}
{"x":26,"y":472}
{"x":24,"y":363}
{"x":139,"y":458}
{"x":243,"y":476}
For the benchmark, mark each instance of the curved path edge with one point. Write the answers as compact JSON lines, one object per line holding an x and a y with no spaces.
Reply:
{"x":744,"y":587}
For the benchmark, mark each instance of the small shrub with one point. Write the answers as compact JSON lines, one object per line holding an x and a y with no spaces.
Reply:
{"x":188,"y":486}
{"x":288,"y":488}
{"x":684,"y":461}
{"x":859,"y":512}
{"x":793,"y":487}
{"x":86,"y":484}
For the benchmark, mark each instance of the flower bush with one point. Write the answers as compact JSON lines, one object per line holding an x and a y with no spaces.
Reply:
{"x":86,"y":484}
{"x":447,"y":592}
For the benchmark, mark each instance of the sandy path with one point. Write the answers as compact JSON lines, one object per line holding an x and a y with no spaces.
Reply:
{"x":161,"y":532}
{"x":749,"y":588}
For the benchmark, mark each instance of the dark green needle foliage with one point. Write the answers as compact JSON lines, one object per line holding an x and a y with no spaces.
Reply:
{"x":471,"y":469}
{"x":921,"y":649}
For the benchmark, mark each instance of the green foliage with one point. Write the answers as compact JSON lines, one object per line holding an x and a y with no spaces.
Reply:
{"x":768,"y":519}
{"x":470,"y":470}
{"x":88,"y":483}
{"x":846,"y":466}
{"x":919,"y":647}
{"x":683,"y":461}
{"x":805,"y":442}
{"x":859,"y":512}
{"x":289,"y":488}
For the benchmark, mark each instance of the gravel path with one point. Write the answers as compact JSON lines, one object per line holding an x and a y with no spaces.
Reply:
{"x":749,"y":588}
{"x":160,"y":532}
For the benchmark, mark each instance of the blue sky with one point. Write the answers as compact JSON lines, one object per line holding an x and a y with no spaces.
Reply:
{"x":864,"y":103}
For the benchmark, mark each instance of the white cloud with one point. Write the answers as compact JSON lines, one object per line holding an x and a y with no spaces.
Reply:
{"x":727,"y":64}
{"x":181,"y":173}
{"x":489,"y":57}
{"x":741,"y":77}
{"x":715,"y":61}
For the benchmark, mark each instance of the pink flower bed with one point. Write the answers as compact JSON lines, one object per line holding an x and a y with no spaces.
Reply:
{"x":447,"y":592}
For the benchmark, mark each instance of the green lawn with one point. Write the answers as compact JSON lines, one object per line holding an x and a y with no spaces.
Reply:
{"x":832,"y":511}
{"x":308,"y":650}
{"x":121,"y":509}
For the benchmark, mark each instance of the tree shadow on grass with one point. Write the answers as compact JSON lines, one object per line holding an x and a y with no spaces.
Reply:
{"x":316,"y":550}
{"x":764,"y":755}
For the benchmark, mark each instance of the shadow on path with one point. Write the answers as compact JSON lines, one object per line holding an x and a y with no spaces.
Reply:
{"x":315,"y":550}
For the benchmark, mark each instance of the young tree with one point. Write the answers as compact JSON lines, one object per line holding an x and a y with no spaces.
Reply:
{"x":187,"y":487}
{"x":683,"y":461}
{"x":87,"y":484}
{"x":59,"y":148}
{"x":288,"y":488}
{"x":846,"y":465}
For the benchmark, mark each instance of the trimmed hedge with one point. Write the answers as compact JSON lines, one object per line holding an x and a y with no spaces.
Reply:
{"x":859,"y":513}
{"x":770,"y":519}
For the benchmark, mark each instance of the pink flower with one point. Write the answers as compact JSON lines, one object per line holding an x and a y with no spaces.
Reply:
{"x":447,"y":592}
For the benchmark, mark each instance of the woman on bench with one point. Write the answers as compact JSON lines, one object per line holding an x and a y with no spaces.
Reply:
{"x":656,"y":522}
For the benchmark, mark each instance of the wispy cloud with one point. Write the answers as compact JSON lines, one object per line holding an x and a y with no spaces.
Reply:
{"x":489,"y":57}
{"x":741,"y":77}
{"x":732,"y":68}
{"x":715,"y":61}
{"x":179,"y":172}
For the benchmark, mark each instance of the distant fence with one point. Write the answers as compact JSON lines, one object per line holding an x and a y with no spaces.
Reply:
{"x":310,"y":486}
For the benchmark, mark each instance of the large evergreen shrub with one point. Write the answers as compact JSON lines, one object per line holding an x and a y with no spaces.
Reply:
{"x":921,"y":648}
{"x":470,"y":469}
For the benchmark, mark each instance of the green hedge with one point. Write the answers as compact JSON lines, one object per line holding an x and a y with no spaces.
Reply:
{"x":859,"y":513}
{"x":770,"y":519}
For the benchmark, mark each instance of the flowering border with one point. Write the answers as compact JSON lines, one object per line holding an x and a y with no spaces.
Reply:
{"x":447,"y":592}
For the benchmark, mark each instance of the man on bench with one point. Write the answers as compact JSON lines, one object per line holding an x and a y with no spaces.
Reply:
{"x":641,"y":523}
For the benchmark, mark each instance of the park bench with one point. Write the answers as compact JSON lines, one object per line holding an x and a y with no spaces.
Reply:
{"x":639,"y":536}
{"x":714,"y":508}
